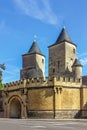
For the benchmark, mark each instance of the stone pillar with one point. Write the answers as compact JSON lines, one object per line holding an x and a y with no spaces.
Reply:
{"x":24,"y":106}
{"x":22,"y":111}
{"x":5,"y":110}
{"x":58,"y":91}
{"x":5,"y":104}
{"x":54,"y":104}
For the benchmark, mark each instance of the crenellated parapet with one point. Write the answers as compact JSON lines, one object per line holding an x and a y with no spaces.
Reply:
{"x":28,"y":83}
{"x":67,"y":81}
{"x":40,"y":82}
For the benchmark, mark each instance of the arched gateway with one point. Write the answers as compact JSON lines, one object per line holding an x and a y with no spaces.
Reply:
{"x":15,"y":108}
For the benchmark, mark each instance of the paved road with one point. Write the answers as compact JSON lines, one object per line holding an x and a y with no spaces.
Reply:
{"x":18,"y":124}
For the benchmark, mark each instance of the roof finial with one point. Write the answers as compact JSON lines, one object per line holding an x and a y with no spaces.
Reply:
{"x":64,"y":27}
{"x":35,"y":37}
{"x":64,"y":24}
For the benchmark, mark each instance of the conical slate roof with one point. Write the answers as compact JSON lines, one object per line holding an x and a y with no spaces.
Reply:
{"x":34,"y":48}
{"x":63,"y":36}
{"x":77,"y":63}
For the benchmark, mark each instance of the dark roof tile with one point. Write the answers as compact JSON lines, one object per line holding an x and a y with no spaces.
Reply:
{"x":34,"y":48}
{"x":77,"y":63}
{"x":63,"y":36}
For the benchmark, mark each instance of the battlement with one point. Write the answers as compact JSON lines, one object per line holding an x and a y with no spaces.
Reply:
{"x":67,"y":81}
{"x":27,"y":83}
{"x":40,"y":82}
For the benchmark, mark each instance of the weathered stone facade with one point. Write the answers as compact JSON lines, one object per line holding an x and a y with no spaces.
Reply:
{"x":39,"y":98}
{"x":33,"y":65}
{"x":62,"y":95}
{"x":61,"y":56}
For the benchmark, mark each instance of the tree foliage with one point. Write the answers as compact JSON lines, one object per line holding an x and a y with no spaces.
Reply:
{"x":1,"y":85}
{"x":2,"y":67}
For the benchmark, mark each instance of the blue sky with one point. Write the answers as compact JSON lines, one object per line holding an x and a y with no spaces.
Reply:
{"x":20,"y":20}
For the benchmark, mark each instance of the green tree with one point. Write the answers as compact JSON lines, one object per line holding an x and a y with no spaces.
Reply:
{"x":1,"y":86}
{"x":2,"y":67}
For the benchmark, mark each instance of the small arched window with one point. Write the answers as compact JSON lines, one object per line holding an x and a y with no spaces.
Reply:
{"x":58,"y":65}
{"x":74,"y":51}
{"x":43,"y":61}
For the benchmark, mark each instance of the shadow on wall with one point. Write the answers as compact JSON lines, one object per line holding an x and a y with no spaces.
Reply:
{"x":32,"y":72}
{"x":1,"y":102}
{"x":82,"y":113}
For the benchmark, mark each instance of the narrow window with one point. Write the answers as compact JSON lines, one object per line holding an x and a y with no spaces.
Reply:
{"x":43,"y":61}
{"x":58,"y":65}
{"x":64,"y":79}
{"x":79,"y":80}
{"x":74,"y":50}
{"x":69,"y":79}
{"x":53,"y":70}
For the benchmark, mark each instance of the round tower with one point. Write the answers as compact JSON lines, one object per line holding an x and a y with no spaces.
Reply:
{"x":77,"y":69}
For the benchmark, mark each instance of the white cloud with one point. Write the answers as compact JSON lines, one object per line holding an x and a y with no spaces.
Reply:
{"x":83,"y":61}
{"x":82,"y":55}
{"x":83,"y":58}
{"x":39,"y":9}
{"x":11,"y":74}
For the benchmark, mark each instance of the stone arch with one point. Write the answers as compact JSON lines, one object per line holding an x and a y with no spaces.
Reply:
{"x":15,"y":107}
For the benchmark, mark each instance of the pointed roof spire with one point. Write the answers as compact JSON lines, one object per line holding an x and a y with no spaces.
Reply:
{"x":63,"y":36}
{"x":34,"y":48}
{"x":77,"y":63}
{"x":35,"y":38}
